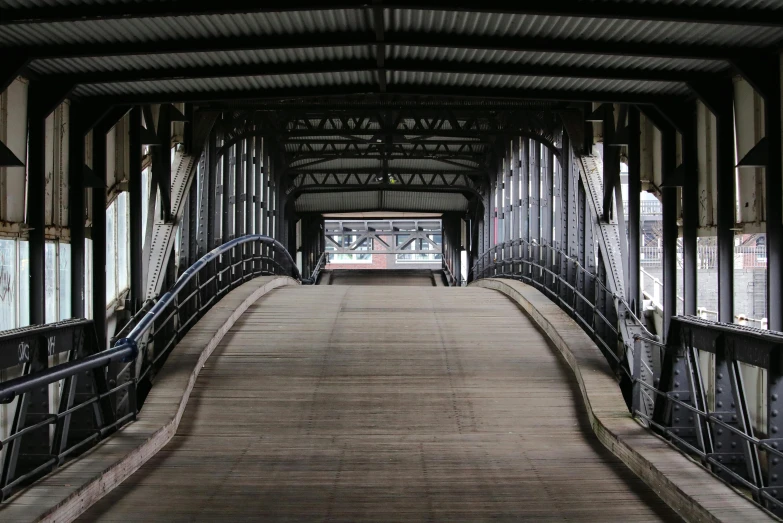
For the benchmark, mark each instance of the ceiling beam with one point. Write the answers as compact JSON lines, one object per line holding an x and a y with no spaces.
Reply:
{"x":348,"y":90}
{"x":435,"y":66}
{"x":565,"y":8}
{"x":365,"y":38}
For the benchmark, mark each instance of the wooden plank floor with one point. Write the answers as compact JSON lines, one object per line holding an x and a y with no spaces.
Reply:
{"x":360,"y":403}
{"x":384,"y":277}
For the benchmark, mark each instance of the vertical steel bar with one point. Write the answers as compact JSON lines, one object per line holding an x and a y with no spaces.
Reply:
{"x":99,"y":235}
{"x":690,"y":217}
{"x":670,"y":230}
{"x":76,"y":208}
{"x":535,"y":206}
{"x":515,"y":205}
{"x":634,"y":212}
{"x":135,"y":198}
{"x":773,"y":198}
{"x":524,"y":202}
{"x":726,"y":195}
{"x":36,"y":201}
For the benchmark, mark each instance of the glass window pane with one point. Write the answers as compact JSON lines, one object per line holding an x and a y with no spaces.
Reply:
{"x":7,"y":284}
{"x":24,"y":284}
{"x":50,"y":282}
{"x":111,"y":246}
{"x":65,"y":281}
{"x":123,"y":268}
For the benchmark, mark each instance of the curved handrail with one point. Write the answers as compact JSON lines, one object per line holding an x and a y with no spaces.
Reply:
{"x":576,"y":263}
{"x":126,"y":349}
{"x":146,"y":322}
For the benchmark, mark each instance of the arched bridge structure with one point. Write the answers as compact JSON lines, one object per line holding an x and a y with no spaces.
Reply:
{"x":384,"y":261}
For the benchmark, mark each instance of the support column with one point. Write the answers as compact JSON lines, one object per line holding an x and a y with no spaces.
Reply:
{"x":524,"y":203}
{"x":36,"y":200}
{"x":726,"y":193}
{"x":690,"y":212}
{"x":135,"y":199}
{"x":634,"y":211}
{"x":514,"y":161}
{"x":535,"y":205}
{"x":99,"y":234}
{"x":225,"y":194}
{"x":76,"y":133}
{"x":773,"y":198}
{"x":670,"y":231}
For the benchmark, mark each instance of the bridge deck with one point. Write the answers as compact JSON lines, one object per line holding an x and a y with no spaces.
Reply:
{"x":395,"y":277}
{"x":354,"y":403}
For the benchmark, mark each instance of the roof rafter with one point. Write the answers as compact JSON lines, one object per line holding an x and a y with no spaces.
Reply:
{"x":365,"y":38}
{"x":570,"y":8}
{"x":433,"y":66}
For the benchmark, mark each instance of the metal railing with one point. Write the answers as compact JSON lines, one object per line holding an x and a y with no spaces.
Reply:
{"x":583,"y":293}
{"x":719,"y":429}
{"x":38,"y":439}
{"x":668,"y":390}
{"x":141,"y":349}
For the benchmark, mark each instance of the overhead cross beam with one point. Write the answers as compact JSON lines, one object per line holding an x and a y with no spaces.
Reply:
{"x":488,"y":93}
{"x":364,"y":38}
{"x":563,"y":8}
{"x":380,"y":65}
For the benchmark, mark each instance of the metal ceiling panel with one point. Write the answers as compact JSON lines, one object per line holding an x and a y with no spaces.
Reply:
{"x":599,"y":29}
{"x":401,"y":52}
{"x":211,"y":59}
{"x":168,"y":28}
{"x":211,"y":85}
{"x":534,"y":82}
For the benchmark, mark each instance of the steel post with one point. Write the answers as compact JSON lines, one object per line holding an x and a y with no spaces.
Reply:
{"x":36,"y":200}
{"x":135,"y":200}
{"x":670,"y":230}
{"x":634,"y":212}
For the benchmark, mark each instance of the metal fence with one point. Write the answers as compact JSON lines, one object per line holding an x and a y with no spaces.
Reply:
{"x":666,"y":380}
{"x":719,"y":429}
{"x":103,"y":390}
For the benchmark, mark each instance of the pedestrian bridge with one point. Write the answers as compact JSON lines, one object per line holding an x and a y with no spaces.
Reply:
{"x":391,"y":260}
{"x":381,"y":402}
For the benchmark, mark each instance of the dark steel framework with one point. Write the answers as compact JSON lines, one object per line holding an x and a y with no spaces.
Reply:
{"x":103,"y":389}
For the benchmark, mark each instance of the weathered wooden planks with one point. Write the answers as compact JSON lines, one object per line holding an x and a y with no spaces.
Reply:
{"x":384,"y":277}
{"x":344,"y":403}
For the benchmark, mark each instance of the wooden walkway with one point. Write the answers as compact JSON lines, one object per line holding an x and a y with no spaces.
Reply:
{"x":383,"y":404}
{"x":384,"y":277}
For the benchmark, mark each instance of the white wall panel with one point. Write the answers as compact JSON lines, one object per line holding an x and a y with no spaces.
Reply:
{"x":13,"y":132}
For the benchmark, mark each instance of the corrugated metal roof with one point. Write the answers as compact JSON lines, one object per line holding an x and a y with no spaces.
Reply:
{"x":243,"y":83}
{"x":534,"y":82}
{"x":638,"y":31}
{"x":169,"y":28}
{"x":381,"y":200}
{"x":212,"y":59}
{"x":553,"y":59}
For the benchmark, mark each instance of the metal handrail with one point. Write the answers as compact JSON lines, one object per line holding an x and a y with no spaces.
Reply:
{"x":320,"y":264}
{"x":576,"y":263}
{"x":126,"y":349}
